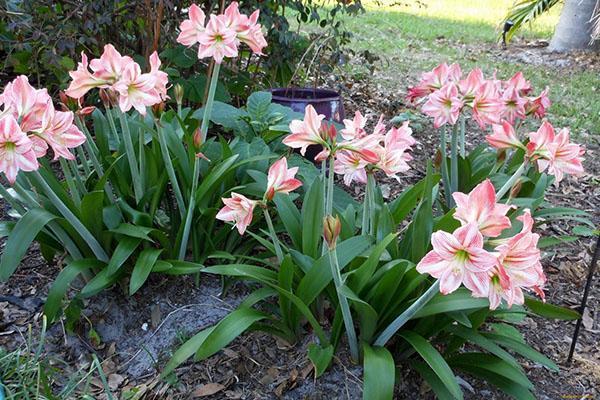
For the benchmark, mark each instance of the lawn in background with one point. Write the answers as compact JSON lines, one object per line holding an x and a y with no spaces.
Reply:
{"x":413,"y":38}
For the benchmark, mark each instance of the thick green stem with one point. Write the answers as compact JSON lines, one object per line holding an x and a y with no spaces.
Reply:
{"x":214,"y":79}
{"x":111,"y":122}
{"x":513,"y":179}
{"x":84,"y":161}
{"x":196,"y":174}
{"x":330,"y":184}
{"x":187,"y":225}
{"x":407,"y":314}
{"x":131,"y":159}
{"x":273,"y":234}
{"x":91,"y":149}
{"x":142,"y":155}
{"x":164,"y":149}
{"x":73,"y":220}
{"x":365,"y":215}
{"x":454,"y":159}
{"x":371,"y":191}
{"x":444,"y":167}
{"x":344,"y":306}
{"x":462,"y":136}
{"x":75,"y":170}
{"x":70,"y":181}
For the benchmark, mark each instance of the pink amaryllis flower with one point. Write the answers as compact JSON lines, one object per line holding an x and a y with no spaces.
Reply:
{"x":537,"y":106}
{"x":137,"y":90}
{"x":480,"y":207}
{"x":83,"y":80}
{"x":554,"y":152}
{"x":350,"y":164}
{"x":518,"y":266}
{"x":444,"y":105}
{"x":247,"y":29}
{"x":459,"y":257}
{"x":487,"y":104}
{"x":518,"y":81}
{"x":217,"y":40}
{"x":354,"y":128}
{"x":280,"y":179}
{"x":434,"y":80}
{"x":393,"y":156}
{"x":306,"y":132}
{"x":238,"y":209}
{"x":25,"y":103}
{"x":192,"y":27}
{"x":161,"y":78}
{"x":60,"y":133}
{"x":504,"y":137}
{"x":110,"y":66}
{"x":468,"y":87}
{"x":514,"y":104}
{"x":16,"y":152}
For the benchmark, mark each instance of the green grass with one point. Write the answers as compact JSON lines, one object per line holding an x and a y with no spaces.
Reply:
{"x":28,"y":373}
{"x":411,"y":39}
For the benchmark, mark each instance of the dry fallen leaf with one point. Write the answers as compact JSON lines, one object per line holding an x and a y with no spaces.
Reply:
{"x":207,"y":390}
{"x":114,"y":381}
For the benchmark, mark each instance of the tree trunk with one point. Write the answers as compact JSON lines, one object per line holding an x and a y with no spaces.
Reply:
{"x":574,"y":27}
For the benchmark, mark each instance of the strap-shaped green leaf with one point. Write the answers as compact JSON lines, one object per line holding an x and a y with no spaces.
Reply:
{"x":379,"y":373}
{"x":550,"y":310}
{"x":320,"y":357}
{"x":493,"y":364}
{"x":61,"y":284}
{"x":227,"y":330}
{"x":20,"y":238}
{"x":312,"y":219}
{"x":523,"y":349}
{"x":122,"y":252}
{"x":456,"y":301}
{"x":142,"y":268}
{"x":435,"y":360}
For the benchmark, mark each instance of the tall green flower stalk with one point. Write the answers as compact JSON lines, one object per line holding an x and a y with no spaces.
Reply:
{"x":196,"y":174}
{"x":331,"y":231}
{"x":131,"y":158}
{"x":273,"y":234}
{"x":444,"y":168}
{"x":454,"y":161}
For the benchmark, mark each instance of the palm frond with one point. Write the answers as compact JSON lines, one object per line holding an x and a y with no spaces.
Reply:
{"x":525,"y":11}
{"x":596,"y":21}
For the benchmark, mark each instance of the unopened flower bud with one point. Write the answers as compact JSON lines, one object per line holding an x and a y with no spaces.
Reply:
{"x":331,"y":230}
{"x":158,"y":109}
{"x":328,"y":132}
{"x":108,"y":98}
{"x":178,"y":91}
{"x":86,"y":111}
{"x":197,"y":138}
{"x":437,"y":160}
{"x":514,"y":191}
{"x":501,"y":156}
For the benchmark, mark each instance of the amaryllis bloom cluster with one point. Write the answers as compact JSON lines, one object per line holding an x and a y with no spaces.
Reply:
{"x":445,"y":94}
{"x":239,"y":209}
{"x":553,"y":152}
{"x":122,"y":77}
{"x":360,"y":151}
{"x":29,"y":125}
{"x":498,"y":268}
{"x":221,"y":35}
